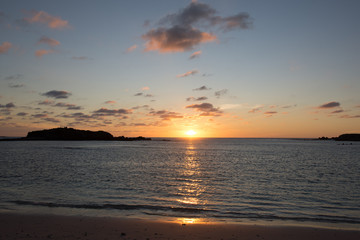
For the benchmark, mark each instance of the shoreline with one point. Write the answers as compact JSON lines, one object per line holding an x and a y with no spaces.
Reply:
{"x":180,"y":219}
{"x":44,"y":226}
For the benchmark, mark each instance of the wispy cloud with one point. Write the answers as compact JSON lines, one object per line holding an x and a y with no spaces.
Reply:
{"x":181,"y":33}
{"x":350,"y":116}
{"x":131,"y":49}
{"x":80,"y":58}
{"x":329,"y":105}
{"x":68,"y":106}
{"x":195,"y":55}
{"x":40,"y":115}
{"x":112,"y":112}
{"x":42,"y":52}
{"x":221,"y":93}
{"x":230,"y":106}
{"x":78,"y":116}
{"x":57,"y":94}
{"x":188,"y":73}
{"x":145,"y":88}
{"x":206,"y":109}
{"x":14,"y":77}
{"x":5,"y":47}
{"x":202,"y":88}
{"x":143,"y":106}
{"x":16,"y":85}
{"x":166,"y":115}
{"x":110,"y":102}
{"x":256,"y":109}
{"x":337,"y":111}
{"x":270,"y":112}
{"x":196,"y":99}
{"x":289,"y":106}
{"x":49,"y":41}
{"x":46,"y":102}
{"x":238,"y":21}
{"x":45,"y":18}
{"x":148,"y":95}
{"x":53,"y":120}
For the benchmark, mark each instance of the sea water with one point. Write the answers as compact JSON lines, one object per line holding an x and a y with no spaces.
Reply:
{"x":233,"y":180}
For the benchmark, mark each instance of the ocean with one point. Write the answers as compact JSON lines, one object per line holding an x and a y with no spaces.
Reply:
{"x":286,"y":181}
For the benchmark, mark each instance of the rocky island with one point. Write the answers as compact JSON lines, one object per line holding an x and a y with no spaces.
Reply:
{"x":71,"y":134}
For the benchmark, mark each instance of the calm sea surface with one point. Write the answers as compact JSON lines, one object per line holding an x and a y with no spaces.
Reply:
{"x":233,"y":180}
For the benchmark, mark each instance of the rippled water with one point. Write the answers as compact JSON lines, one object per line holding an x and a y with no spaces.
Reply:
{"x":217,"y":179}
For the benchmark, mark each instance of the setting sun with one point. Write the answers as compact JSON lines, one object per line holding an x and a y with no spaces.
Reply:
{"x":190,"y":133}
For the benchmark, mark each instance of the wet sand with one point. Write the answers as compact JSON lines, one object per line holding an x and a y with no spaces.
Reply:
{"x":16,"y":226}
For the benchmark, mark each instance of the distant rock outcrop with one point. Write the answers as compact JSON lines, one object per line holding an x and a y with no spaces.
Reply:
{"x":348,"y":137}
{"x":68,"y":134}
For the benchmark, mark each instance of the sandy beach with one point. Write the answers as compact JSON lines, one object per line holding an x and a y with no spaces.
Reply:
{"x":16,"y":226}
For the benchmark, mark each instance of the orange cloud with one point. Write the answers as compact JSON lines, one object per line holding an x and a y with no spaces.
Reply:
{"x":110,"y":102}
{"x":195,"y":55}
{"x":175,"y":39}
{"x":192,"y":72}
{"x":48,"y":41}
{"x":132,"y":48}
{"x":41,"y":52}
{"x":45,"y":18}
{"x":4,"y":47}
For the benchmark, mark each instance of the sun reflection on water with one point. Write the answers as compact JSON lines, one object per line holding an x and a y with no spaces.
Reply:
{"x":187,"y":220}
{"x":191,"y":187}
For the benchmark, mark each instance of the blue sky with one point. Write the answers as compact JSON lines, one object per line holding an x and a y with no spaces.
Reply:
{"x":269,"y":74}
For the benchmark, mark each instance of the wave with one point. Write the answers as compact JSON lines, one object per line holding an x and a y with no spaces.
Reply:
{"x":113,"y":206}
{"x":196,"y":212}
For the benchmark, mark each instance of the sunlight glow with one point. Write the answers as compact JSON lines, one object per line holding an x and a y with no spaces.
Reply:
{"x":190,"y":133}
{"x":187,"y":220}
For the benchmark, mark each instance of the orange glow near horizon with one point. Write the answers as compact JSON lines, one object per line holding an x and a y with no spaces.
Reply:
{"x":282,"y":126}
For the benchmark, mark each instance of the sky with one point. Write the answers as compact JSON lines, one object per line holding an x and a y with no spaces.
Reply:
{"x":229,"y":68}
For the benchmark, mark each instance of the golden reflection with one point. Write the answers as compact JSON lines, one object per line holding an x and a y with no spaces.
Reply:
{"x":187,"y":220}
{"x":191,"y":187}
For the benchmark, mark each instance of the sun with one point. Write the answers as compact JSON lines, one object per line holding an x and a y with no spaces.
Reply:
{"x":190,"y":133}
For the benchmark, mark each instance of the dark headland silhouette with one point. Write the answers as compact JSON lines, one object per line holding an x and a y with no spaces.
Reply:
{"x":344,"y":137}
{"x":71,"y":134}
